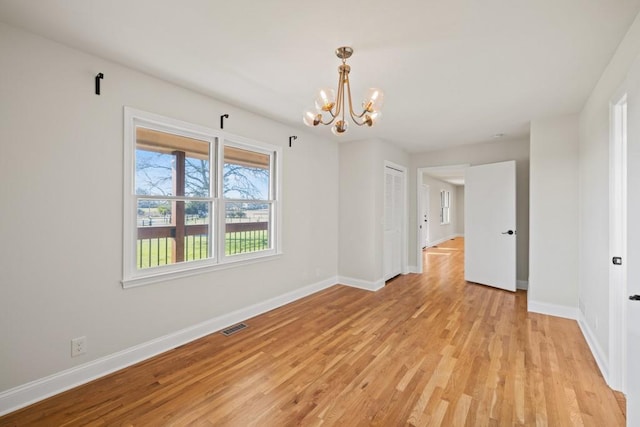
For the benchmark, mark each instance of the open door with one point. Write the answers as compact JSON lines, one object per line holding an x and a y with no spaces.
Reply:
{"x":490,"y":225}
{"x":424,"y":217}
{"x":632,"y":263}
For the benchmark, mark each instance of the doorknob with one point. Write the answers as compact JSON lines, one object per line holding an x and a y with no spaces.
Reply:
{"x":510,"y":232}
{"x":634,"y":297}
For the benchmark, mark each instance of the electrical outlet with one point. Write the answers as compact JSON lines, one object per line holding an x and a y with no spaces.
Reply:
{"x":78,"y":346}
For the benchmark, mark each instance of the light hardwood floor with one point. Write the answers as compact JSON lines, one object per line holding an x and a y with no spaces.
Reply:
{"x":427,"y":349}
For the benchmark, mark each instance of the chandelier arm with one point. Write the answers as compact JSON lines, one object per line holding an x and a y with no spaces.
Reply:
{"x":339,"y":95}
{"x":355,"y":120}
{"x":344,"y":110}
{"x":354,"y":116}
{"x":338,"y":107}
{"x":333,"y":118}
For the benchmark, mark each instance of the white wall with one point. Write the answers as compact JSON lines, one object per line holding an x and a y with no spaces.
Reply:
{"x":437,"y":231}
{"x":358,"y":216}
{"x":61,"y":169}
{"x":553,"y":229}
{"x":478,"y":154}
{"x":460,"y":209}
{"x":594,"y":189}
{"x":362,"y":209}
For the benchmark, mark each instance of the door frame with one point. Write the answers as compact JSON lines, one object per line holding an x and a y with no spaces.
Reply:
{"x":617,"y":246}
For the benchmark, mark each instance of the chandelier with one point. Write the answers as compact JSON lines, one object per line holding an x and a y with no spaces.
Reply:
{"x":327,"y":102}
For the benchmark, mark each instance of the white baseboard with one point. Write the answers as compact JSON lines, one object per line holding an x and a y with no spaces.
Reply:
{"x":444,"y":239}
{"x":552,"y":309}
{"x":26,"y":394}
{"x":522,"y":284}
{"x":412,"y":269}
{"x":596,"y":350}
{"x":361,"y":284}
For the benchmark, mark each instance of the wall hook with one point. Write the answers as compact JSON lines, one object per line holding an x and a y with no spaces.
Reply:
{"x":292,"y":138}
{"x":222,"y":117}
{"x":99,"y":77}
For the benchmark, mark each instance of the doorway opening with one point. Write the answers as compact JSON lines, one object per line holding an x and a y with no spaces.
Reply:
{"x":444,"y":257}
{"x":430,"y":228}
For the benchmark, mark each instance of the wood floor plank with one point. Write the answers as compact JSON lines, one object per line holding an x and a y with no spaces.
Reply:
{"x":427,"y":349}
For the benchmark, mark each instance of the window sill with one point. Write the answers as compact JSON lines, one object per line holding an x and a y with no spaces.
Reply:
{"x":187,"y":271}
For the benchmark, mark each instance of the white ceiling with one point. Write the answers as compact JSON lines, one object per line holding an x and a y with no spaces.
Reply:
{"x":454,"y":72}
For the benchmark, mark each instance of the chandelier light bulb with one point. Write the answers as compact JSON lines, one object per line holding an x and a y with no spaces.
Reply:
{"x":373,"y":118}
{"x":325,"y":99}
{"x":373,"y":101}
{"x":311,"y":118}
{"x":340,"y":127}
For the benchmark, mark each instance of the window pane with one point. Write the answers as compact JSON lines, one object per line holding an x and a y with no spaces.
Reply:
{"x":247,"y":227}
{"x":197,"y":220}
{"x":169,"y":164}
{"x":160,"y":241}
{"x":196,"y":177}
{"x":246,"y":174}
{"x":154,"y":173}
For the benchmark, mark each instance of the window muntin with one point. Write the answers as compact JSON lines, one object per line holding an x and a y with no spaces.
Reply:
{"x":180,"y":181}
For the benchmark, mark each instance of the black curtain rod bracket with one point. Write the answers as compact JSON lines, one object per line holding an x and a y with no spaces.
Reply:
{"x":99,"y":77}
{"x":222,"y":117}
{"x":292,"y":138}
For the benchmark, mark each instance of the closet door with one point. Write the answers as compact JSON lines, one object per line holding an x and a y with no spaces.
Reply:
{"x":393,"y":221}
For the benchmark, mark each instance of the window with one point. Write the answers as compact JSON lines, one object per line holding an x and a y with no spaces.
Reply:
{"x":445,"y":201}
{"x":248,"y":202}
{"x":195,"y":198}
{"x":173,"y":196}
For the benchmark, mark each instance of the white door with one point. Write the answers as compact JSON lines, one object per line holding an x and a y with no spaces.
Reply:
{"x":632,"y":262}
{"x":490,"y":225}
{"x":393,"y":221}
{"x":424,"y":216}
{"x":618,"y":244}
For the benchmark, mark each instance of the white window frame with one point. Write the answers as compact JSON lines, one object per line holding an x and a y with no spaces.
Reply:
{"x":445,"y":207}
{"x":246,"y":144}
{"x":132,"y":276}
